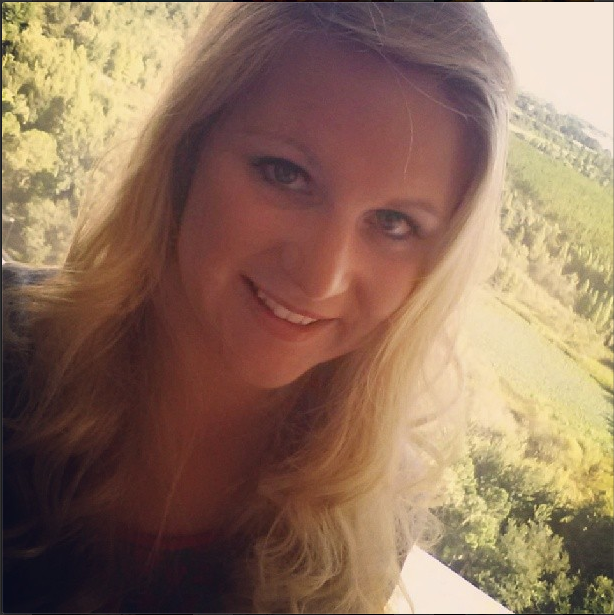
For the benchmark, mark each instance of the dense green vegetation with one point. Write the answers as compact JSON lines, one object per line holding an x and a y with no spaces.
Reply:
{"x":73,"y":75}
{"x":529,"y":510}
{"x":528,"y":514}
{"x":528,"y":517}
{"x":573,"y":272}
{"x":580,"y":205}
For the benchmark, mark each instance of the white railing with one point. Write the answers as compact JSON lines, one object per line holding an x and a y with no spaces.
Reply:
{"x":434,"y":588}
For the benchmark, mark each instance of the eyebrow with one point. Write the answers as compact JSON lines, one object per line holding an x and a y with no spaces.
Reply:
{"x":282,"y":138}
{"x":408,"y":204}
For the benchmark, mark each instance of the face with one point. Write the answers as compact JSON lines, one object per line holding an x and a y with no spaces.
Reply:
{"x":317,"y":204}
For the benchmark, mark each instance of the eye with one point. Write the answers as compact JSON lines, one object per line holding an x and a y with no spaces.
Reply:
{"x":395,"y":224}
{"x":282,"y":172}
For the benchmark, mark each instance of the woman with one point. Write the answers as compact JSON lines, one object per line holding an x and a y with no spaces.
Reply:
{"x":230,"y":396}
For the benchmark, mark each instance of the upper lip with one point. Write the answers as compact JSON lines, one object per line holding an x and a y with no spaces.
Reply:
{"x":285,"y":304}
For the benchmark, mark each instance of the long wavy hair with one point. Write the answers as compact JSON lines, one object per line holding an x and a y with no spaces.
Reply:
{"x":355,"y":466}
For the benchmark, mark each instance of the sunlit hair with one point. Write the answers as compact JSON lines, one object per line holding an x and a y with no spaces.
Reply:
{"x":355,"y":468}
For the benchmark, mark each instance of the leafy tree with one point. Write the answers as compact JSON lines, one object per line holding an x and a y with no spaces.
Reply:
{"x":528,"y":570}
{"x":599,"y":597}
{"x":74,"y":75}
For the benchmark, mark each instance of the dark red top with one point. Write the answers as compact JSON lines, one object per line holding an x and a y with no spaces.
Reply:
{"x":174,"y":574}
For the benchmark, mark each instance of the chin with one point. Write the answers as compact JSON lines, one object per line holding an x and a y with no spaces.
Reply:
{"x":270,"y":375}
{"x":271,"y":379}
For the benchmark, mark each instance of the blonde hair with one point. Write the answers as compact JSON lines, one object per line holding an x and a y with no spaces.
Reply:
{"x":354,"y":472}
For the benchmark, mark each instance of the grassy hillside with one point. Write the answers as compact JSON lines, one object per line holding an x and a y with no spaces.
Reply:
{"x":582,"y":207}
{"x":537,"y":369}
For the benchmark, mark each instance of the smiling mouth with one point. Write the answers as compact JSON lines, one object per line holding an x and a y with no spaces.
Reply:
{"x":279,"y":310}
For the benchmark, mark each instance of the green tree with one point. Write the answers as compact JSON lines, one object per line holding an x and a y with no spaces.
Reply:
{"x":528,"y":570}
{"x":61,"y":112}
{"x":599,"y":597}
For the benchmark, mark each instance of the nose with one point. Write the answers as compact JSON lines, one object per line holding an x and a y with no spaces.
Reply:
{"x":322,"y":261}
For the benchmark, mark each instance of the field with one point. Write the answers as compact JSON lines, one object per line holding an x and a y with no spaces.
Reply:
{"x":535,"y":369}
{"x":582,"y":207}
{"x":528,"y":511}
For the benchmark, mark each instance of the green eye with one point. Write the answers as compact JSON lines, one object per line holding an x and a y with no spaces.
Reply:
{"x":282,"y":172}
{"x":285,"y":173}
{"x":395,"y":224}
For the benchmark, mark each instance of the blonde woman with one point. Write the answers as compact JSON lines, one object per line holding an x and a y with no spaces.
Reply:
{"x":231,"y":397}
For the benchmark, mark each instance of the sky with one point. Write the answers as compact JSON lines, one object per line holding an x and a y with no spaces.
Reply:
{"x":562,"y":52}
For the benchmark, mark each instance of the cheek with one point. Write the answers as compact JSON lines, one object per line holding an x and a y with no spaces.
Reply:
{"x":383,"y":299}
{"x":387,"y":295}
{"x":397,"y":278}
{"x":231,"y":216}
{"x":209,"y":224}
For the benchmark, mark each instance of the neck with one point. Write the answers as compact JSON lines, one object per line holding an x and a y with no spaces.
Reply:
{"x":207,"y":432}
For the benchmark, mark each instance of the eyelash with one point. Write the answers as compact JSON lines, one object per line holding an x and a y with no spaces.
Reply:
{"x":267,"y":166}
{"x":414,"y":229}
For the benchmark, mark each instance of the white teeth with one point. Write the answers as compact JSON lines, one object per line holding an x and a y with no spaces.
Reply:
{"x":281,"y":312}
{"x":295,"y":318}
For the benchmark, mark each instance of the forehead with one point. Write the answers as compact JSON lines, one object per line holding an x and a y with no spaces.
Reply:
{"x":352,"y":108}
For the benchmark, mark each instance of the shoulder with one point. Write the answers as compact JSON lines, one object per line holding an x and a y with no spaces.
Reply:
{"x":16,"y":341}
{"x":17,"y":275}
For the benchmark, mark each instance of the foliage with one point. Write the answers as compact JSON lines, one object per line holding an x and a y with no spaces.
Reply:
{"x":599,"y":597}
{"x":514,"y":530}
{"x":576,"y":275}
{"x":581,"y":207}
{"x":73,"y":76}
{"x":564,"y":137}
